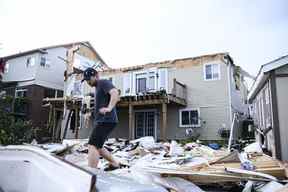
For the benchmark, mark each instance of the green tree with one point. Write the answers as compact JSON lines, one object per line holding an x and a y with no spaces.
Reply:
{"x":13,"y":130}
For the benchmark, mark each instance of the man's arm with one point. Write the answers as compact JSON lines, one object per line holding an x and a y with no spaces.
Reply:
{"x":114,"y":98}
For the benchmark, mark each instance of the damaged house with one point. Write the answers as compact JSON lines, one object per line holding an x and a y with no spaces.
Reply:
{"x":268,"y":97}
{"x":194,"y":97}
{"x":38,"y":74}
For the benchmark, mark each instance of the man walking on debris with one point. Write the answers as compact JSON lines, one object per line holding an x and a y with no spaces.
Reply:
{"x":105,"y":117}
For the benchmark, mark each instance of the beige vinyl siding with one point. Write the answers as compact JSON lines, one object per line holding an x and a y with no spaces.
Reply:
{"x":210,"y":96}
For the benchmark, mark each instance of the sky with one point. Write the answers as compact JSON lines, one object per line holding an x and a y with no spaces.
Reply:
{"x":132,"y":32}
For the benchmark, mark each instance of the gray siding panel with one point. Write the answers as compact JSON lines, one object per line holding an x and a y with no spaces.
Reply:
{"x":282,"y":70}
{"x":282,"y":95}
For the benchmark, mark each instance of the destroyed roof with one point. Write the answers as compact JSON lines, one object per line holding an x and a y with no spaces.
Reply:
{"x":154,"y":64}
{"x":43,"y":50}
{"x":262,"y":74}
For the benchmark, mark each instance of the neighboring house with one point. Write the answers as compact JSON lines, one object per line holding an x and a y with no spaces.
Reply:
{"x":179,"y":98}
{"x":39,"y":73}
{"x":269,"y":109}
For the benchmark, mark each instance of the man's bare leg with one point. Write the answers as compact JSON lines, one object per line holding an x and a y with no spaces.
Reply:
{"x":107,"y":155}
{"x":93,"y":156}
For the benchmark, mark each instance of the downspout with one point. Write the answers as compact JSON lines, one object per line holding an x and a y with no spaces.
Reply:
{"x":229,"y":90}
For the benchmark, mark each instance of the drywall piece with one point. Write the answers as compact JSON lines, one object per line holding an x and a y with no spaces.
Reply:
{"x":183,"y":185}
{"x":270,"y":187}
{"x":253,"y":148}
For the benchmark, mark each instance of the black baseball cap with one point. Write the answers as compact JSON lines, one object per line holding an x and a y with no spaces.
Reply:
{"x":88,"y":73}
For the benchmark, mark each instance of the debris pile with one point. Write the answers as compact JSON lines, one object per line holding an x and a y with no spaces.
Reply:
{"x":183,"y":167}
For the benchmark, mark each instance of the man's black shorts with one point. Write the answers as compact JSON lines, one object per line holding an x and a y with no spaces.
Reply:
{"x":100,"y":134}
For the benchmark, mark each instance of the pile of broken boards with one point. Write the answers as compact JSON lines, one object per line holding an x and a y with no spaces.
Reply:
{"x":188,"y":167}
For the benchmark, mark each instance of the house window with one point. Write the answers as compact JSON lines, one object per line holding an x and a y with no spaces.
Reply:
{"x":189,"y":118}
{"x":49,"y":93}
{"x":145,"y":81}
{"x":30,"y":62}
{"x":42,"y":61}
{"x":141,"y":83}
{"x":212,"y":72}
{"x":21,"y":93}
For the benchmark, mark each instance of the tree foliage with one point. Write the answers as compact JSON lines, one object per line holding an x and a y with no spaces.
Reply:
{"x":13,"y":129}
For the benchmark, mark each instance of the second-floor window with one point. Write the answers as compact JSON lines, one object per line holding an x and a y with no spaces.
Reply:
{"x":145,"y":82}
{"x":211,"y":72}
{"x":42,"y":61}
{"x":141,"y":83}
{"x":30,"y":62}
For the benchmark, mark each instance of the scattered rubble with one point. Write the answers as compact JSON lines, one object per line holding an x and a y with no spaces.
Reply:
{"x":185,"y":168}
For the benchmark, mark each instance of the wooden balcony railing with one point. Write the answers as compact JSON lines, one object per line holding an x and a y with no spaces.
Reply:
{"x":179,"y":89}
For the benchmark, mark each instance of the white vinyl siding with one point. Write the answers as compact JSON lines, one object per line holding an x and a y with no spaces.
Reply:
{"x":189,"y":117}
{"x":6,"y":68}
{"x":211,"y":72}
{"x":30,"y":62}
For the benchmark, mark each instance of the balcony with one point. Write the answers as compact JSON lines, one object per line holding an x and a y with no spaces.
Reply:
{"x":177,"y":96}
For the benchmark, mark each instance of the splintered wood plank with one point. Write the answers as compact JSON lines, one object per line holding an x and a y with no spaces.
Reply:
{"x":207,"y":177}
{"x":278,"y":172}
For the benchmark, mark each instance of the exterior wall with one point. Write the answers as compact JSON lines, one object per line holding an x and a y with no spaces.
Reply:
{"x":52,"y":76}
{"x":282,"y":70}
{"x":210,"y":96}
{"x":263,"y":117}
{"x":18,"y":71}
{"x":238,"y":96}
{"x":282,"y":102}
{"x":35,"y":113}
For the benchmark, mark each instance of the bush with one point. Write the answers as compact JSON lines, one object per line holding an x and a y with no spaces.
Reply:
{"x":13,"y":130}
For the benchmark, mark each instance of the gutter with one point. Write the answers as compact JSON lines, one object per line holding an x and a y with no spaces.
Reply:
{"x":263,"y":75}
{"x":261,"y":79}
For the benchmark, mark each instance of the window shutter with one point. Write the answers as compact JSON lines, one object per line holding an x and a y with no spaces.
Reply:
{"x":163,"y":79}
{"x":127,"y":89}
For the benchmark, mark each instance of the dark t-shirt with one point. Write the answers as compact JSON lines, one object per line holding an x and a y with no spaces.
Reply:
{"x":102,"y":99}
